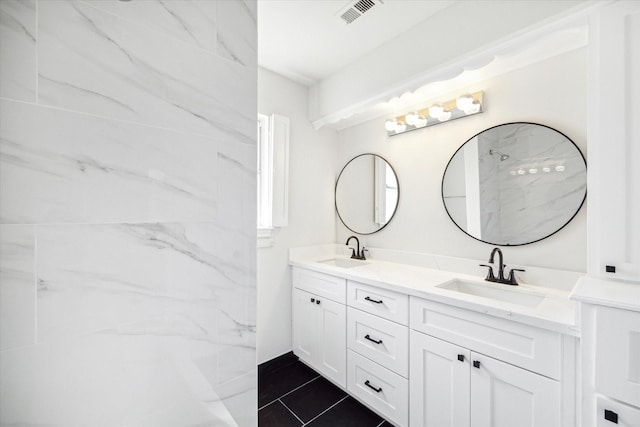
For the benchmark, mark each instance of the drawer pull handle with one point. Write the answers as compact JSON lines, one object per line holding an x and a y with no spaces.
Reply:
{"x":373,"y":300}
{"x":367,"y":337}
{"x":461,"y":357}
{"x":476,"y":364}
{"x":610,"y":268}
{"x":611,"y":416}
{"x":368,"y":384}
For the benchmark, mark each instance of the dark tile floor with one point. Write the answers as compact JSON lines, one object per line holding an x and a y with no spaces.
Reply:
{"x":290,"y":394}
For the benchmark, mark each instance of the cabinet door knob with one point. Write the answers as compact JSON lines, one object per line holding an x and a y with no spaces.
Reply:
{"x":368,"y":384}
{"x":373,"y":300}
{"x":476,"y":364}
{"x":610,"y":268}
{"x":367,"y":337}
{"x":313,"y":300}
{"x":611,"y":416}
{"x":461,"y":357}
{"x":318,"y":301}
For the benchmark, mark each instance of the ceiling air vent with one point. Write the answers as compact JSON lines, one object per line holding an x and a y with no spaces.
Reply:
{"x":355,"y":10}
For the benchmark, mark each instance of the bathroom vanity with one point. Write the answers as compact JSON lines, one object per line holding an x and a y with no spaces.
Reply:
{"x":423,"y":346}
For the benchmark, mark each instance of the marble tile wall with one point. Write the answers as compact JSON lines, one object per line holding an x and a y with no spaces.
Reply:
{"x":127,"y":212}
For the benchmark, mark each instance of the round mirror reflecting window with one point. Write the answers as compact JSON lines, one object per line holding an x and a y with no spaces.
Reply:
{"x":515,"y":184}
{"x":367,"y":194}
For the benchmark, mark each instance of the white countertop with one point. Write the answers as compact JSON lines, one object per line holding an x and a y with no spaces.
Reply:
{"x":555,"y":312}
{"x":625,"y":295}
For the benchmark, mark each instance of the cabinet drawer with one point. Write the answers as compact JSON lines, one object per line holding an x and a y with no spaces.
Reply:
{"x":535,"y":349}
{"x":381,"y":302}
{"x":320,"y":284}
{"x":383,"y":390}
{"x":618,"y":354}
{"x":612,"y":414}
{"x":382,"y":341}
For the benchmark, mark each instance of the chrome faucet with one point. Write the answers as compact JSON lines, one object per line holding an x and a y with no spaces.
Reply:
{"x":356,"y":253}
{"x":511,"y":280}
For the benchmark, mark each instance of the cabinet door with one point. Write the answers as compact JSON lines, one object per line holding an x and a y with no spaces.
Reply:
{"x":439,"y":383}
{"x":503,"y":395}
{"x":332,"y":338}
{"x":613,"y":142}
{"x":618,"y":354}
{"x":304,"y":326}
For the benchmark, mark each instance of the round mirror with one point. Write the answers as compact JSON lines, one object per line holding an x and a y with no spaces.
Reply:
{"x":515,"y":184}
{"x":367,"y":194}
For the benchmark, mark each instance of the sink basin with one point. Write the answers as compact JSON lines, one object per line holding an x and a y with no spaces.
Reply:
{"x":492,"y":291}
{"x":344,"y":262}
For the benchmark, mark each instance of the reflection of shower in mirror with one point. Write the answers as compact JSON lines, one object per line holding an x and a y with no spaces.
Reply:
{"x":503,"y":157}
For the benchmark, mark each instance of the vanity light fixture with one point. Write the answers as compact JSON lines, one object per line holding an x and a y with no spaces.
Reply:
{"x":465,"y":105}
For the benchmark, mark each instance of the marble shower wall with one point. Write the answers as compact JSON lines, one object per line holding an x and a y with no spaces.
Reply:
{"x":127,"y":212}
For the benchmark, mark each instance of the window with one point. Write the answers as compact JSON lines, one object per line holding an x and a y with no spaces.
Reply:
{"x":272,"y":176}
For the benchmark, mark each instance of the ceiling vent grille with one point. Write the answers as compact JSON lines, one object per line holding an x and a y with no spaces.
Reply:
{"x":355,"y":10}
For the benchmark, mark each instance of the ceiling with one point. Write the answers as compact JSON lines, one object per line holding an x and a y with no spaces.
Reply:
{"x":307,"y":41}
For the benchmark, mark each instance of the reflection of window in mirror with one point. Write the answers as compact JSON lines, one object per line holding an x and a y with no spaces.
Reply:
{"x":391,"y":192}
{"x":385,"y":191}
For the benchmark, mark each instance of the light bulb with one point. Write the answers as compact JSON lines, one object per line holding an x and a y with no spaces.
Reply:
{"x":473,"y":108}
{"x":533,"y":170}
{"x":521,"y":172}
{"x":436,"y":110}
{"x":390,"y":125}
{"x":560,"y":168}
{"x":446,"y":115}
{"x":421,"y":122}
{"x":464,"y":102}
{"x":546,"y":169}
{"x":512,"y":173}
{"x":400,"y":127}
{"x":411,"y":118}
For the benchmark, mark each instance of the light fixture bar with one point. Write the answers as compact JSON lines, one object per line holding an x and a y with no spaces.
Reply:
{"x":465,"y":105}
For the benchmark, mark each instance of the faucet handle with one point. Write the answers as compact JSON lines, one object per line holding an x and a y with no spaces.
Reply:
{"x":512,"y":276}
{"x":490,"y":277}
{"x":362,"y":253}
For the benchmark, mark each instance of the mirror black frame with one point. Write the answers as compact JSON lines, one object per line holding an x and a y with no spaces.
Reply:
{"x":335,"y":192}
{"x":518,"y":244}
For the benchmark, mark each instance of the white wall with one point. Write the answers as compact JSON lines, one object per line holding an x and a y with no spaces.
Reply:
{"x":312,"y":171}
{"x":552,"y":93}
{"x":127,"y":213}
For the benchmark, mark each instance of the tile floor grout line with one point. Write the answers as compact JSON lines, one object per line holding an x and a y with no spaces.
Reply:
{"x":290,"y":391}
{"x":299,"y":387}
{"x":323,"y":412}
{"x":289,"y":409}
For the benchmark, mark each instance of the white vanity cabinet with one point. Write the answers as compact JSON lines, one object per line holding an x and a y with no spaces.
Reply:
{"x":469,"y":369}
{"x":613,"y":230}
{"x":319,"y":323}
{"x":378,"y":350}
{"x":454,"y":386}
{"x":610,"y":363}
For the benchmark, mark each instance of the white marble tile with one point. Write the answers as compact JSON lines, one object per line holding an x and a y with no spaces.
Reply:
{"x":96,"y":62}
{"x":178,"y":279}
{"x":240,"y":398}
{"x":60,"y":167}
{"x":104,"y":380}
{"x":18,"y":49}
{"x":17,"y":286}
{"x":237,"y":35}
{"x":193,"y":22}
